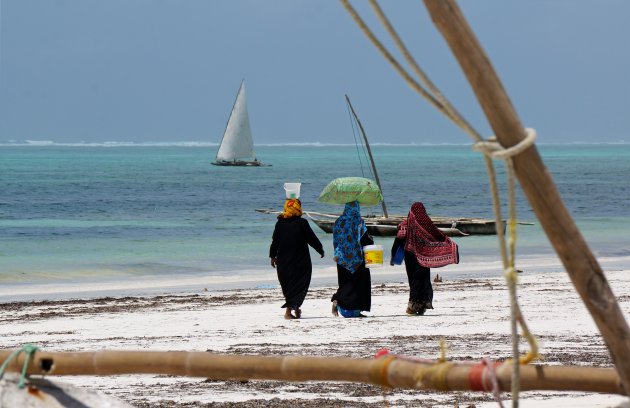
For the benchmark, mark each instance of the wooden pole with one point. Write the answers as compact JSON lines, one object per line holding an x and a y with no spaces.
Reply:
{"x":582,"y":267}
{"x":367,"y":145}
{"x":385,"y":371}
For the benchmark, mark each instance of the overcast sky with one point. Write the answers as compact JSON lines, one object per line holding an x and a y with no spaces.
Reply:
{"x":169,"y":70}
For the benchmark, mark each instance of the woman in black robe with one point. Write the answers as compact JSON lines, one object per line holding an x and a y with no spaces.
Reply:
{"x":290,"y":255}
{"x":419,"y":277}
{"x":355,"y":287}
{"x":425,"y":247}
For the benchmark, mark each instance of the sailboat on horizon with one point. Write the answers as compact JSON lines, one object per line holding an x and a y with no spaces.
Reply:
{"x":237,"y":145}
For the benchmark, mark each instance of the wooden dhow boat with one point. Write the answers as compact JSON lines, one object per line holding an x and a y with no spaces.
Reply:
{"x":386,"y":225}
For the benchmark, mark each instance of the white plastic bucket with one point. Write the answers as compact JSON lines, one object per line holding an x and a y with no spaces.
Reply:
{"x":292,"y":190}
{"x":373,"y":255}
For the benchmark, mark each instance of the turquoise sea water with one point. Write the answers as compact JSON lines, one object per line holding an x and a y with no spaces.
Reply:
{"x":86,"y":213}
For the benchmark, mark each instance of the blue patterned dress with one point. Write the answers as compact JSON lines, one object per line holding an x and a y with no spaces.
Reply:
{"x":349,"y":237}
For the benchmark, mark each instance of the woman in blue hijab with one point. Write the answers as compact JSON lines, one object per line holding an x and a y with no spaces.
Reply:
{"x":349,"y":237}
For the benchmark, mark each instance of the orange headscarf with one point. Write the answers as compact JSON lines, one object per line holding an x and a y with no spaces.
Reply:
{"x":292,"y":208}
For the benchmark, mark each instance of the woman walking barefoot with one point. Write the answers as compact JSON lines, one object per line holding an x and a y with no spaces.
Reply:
{"x":349,"y":237}
{"x":425,"y":247}
{"x":290,"y":255}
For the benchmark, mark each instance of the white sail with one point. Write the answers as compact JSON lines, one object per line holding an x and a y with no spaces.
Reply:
{"x":237,"y":140}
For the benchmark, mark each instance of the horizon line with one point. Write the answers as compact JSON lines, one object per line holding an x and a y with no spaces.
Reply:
{"x":51,"y":143}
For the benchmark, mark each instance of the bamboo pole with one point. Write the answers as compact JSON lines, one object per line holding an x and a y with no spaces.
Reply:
{"x":386,"y":371}
{"x":582,"y":267}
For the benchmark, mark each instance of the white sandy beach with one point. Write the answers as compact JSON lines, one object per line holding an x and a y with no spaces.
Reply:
{"x":470,"y":314}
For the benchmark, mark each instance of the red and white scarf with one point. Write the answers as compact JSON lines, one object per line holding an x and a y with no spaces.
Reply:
{"x":430,"y":246}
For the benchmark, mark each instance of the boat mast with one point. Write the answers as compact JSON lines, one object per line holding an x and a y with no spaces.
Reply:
{"x":367,"y":144}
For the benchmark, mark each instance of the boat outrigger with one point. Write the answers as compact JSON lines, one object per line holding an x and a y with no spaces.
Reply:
{"x":387,"y":226}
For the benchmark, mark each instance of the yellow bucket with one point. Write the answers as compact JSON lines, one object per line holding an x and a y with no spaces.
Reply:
{"x":373,"y":255}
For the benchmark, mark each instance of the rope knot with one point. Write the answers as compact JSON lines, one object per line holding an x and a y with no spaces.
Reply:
{"x":27,"y":349}
{"x":379,"y":368}
{"x":511,"y":274}
{"x":492,"y":148}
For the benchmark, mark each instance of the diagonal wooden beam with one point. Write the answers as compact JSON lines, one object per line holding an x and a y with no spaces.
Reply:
{"x":582,"y":267}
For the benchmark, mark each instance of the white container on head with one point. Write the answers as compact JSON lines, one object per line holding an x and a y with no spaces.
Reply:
{"x":292,"y":190}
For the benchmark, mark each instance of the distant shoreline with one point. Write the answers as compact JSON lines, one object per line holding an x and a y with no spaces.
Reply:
{"x":51,"y":143}
{"x":151,"y":285}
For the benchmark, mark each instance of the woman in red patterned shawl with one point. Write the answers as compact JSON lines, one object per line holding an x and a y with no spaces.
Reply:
{"x":425,"y":247}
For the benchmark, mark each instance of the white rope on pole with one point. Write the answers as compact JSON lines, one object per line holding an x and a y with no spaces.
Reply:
{"x":491,"y":149}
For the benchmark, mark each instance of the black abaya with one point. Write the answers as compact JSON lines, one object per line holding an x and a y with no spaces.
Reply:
{"x":289,"y":245}
{"x":420,"y":288}
{"x":355,"y":289}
